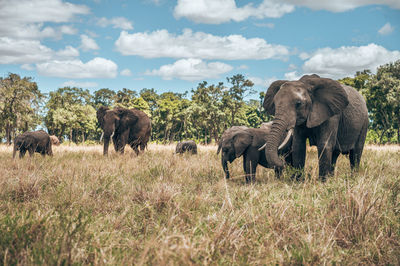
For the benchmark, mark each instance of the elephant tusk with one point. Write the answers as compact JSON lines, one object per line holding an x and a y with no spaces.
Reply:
{"x":283,"y":144}
{"x":262,"y":147}
{"x":112,"y":134}
{"x":101,"y":137}
{"x":286,"y":140}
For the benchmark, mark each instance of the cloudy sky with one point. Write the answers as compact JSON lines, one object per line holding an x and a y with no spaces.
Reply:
{"x":173,"y":45}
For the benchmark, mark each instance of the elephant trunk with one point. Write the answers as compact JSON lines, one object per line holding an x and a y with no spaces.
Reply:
{"x":107,"y":137}
{"x":225,"y":167}
{"x":277,"y":132}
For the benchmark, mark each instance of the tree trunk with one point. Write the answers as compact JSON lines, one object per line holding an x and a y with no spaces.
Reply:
{"x":8,"y":133}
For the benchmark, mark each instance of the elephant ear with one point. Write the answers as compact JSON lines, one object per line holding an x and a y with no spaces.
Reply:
{"x":100,"y":115}
{"x":268,"y":104}
{"x":240,"y":142}
{"x":328,"y":99}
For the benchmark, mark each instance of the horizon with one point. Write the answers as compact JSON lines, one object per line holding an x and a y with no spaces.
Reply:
{"x":117,"y":44}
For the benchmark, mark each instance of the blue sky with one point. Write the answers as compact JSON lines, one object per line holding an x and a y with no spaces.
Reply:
{"x":174,"y":45}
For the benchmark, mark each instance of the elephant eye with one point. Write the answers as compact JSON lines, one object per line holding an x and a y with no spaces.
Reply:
{"x":298,"y":103}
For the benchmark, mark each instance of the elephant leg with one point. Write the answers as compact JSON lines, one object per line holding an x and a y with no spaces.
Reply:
{"x":250,"y":164}
{"x":246,"y":169}
{"x":116,"y":141}
{"x":278,"y":173}
{"x":31,"y":151}
{"x":335,"y":155}
{"x":136,"y":149}
{"x":122,"y":141}
{"x":225,"y":167}
{"x":325,"y":162}
{"x":355,"y":158}
{"x":326,"y":141}
{"x":298,"y":153}
{"x":356,"y":153}
{"x":22,"y":152}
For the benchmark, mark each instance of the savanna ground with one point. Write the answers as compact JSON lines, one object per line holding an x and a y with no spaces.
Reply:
{"x":81,"y":208}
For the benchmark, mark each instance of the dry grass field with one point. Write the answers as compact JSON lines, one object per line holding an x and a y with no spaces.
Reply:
{"x":81,"y":208}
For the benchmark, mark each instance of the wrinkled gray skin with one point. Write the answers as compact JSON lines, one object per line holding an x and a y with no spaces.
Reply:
{"x":36,"y":141}
{"x":227,"y":133}
{"x":186,"y":146}
{"x":126,"y":126}
{"x":332,"y":116}
{"x":246,"y":142}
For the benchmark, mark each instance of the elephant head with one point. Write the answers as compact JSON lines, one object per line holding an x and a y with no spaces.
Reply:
{"x":309,"y":101}
{"x":233,"y":146}
{"x":115,"y":123}
{"x":228,"y":132}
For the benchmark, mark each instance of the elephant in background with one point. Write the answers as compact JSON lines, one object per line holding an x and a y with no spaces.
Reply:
{"x":332,"y":116}
{"x":247,"y":143}
{"x":54,"y":140}
{"x":125,"y":126}
{"x":186,"y":146}
{"x":35,"y":141}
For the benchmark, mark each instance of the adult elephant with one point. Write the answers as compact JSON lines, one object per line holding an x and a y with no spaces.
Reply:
{"x":35,"y":141}
{"x":332,"y":116}
{"x":125,"y":126}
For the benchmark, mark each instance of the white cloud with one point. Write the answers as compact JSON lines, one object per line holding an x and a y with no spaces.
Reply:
{"x":117,"y":22}
{"x":14,"y":51}
{"x":77,"y":84}
{"x":220,"y":11}
{"x":347,"y":60}
{"x":386,"y":29}
{"x":69,"y":51}
{"x":341,"y":5}
{"x":292,"y":75}
{"x":262,"y":82}
{"x":95,"y":68}
{"x":191,"y":69}
{"x":88,"y":43}
{"x":243,"y":67}
{"x":161,"y":43}
{"x":65,"y":29}
{"x":24,"y":19}
{"x":28,"y":67}
{"x":126,"y":72}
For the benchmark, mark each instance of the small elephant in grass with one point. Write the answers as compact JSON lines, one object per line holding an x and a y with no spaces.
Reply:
{"x":249,"y":144}
{"x":186,"y":146}
{"x":36,"y":141}
{"x":54,"y":140}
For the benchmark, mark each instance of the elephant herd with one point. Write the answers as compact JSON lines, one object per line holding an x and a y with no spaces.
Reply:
{"x":330,"y":115}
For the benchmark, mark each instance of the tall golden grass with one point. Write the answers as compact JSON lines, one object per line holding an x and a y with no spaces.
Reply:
{"x":80,"y":207}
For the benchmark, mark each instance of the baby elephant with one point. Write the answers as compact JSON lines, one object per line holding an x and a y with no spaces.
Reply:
{"x":246,"y":143}
{"x":36,"y":141}
{"x":54,"y":140}
{"x":186,"y":146}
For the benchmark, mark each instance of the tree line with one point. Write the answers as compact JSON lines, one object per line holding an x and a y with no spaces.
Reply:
{"x":70,"y":112}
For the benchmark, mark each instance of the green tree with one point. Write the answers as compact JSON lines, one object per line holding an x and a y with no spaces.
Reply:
{"x":169,"y":118}
{"x":104,"y":97}
{"x":383,"y":100}
{"x":70,"y":113}
{"x":20,"y":101}
{"x":211,"y":118}
{"x":233,"y":98}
